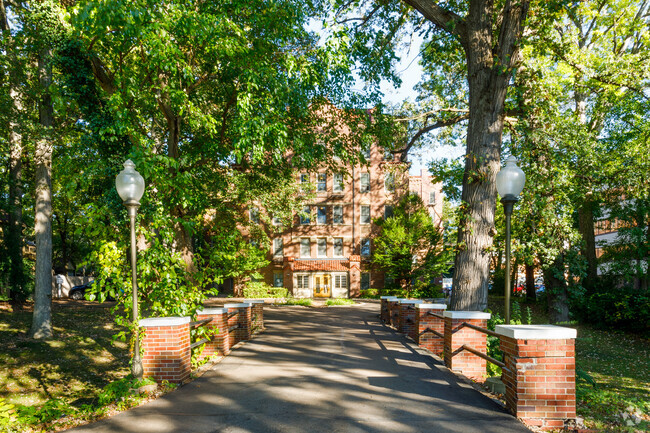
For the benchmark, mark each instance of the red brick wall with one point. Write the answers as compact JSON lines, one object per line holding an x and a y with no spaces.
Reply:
{"x":385,"y":313}
{"x":257,"y":315}
{"x":407,"y":313}
{"x":465,"y":362}
{"x":240,"y":322}
{"x":166,"y":348}
{"x":424,"y":322}
{"x":393,"y":308}
{"x":220,"y":342}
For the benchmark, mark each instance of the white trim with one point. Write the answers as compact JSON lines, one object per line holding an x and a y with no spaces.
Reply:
{"x":411,"y":301}
{"x":388,"y":297}
{"x":255,"y":301}
{"x":536,"y":332}
{"x":240,"y":305}
{"x":164,"y":321}
{"x":212,"y":311}
{"x":432,"y":306}
{"x":467,"y":315}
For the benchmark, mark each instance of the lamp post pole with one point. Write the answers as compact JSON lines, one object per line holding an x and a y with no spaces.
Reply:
{"x":130,"y":186}
{"x":510,"y":183}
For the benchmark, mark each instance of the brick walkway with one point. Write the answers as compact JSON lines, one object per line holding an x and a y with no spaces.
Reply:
{"x":320,"y":370}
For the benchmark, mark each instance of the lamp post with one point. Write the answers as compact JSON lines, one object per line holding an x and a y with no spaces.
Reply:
{"x":130,"y":186}
{"x":510,"y":183}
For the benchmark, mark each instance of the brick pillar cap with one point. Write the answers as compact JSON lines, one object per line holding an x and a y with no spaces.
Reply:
{"x":164,"y":321}
{"x":536,"y":332}
{"x":212,"y":311}
{"x":467,"y":315}
{"x":254,"y":301}
{"x":241,"y":305}
{"x":388,"y":297}
{"x":431,"y":306}
{"x":411,"y":301}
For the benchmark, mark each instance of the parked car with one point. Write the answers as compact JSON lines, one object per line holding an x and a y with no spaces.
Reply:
{"x":79,"y":292}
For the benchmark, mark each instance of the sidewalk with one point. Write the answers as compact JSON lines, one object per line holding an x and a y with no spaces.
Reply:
{"x":320,"y":370}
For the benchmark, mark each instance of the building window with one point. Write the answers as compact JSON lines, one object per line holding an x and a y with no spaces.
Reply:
{"x":322,"y":181}
{"x":305,"y":247}
{"x":337,"y":213}
{"x":304,"y":177}
{"x":277,"y":221}
{"x":432,"y":197}
{"x":302,"y":281}
{"x":365,"y":151}
{"x":365,"y":182}
{"x":254,"y":215}
{"x":338,"y":182}
{"x":365,"y":214}
{"x":338,"y":247}
{"x":365,"y":281}
{"x":322,"y":215}
{"x":278,"y":247}
{"x":322,"y":247}
{"x":388,"y":155}
{"x":341,"y":281}
{"x":305,"y":215}
{"x":278,"y":279}
{"x":388,"y":211}
{"x":389,"y":182}
{"x":365,"y":247}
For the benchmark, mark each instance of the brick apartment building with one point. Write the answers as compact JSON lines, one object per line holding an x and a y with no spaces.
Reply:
{"x":328,"y":253}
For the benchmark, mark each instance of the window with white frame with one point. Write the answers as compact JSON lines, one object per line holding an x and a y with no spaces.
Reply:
{"x":365,"y":214}
{"x":305,"y":247}
{"x":388,"y":211}
{"x":338,"y":247}
{"x":365,"y":281}
{"x":322,"y":215}
{"x":278,"y":247}
{"x":302,"y":281}
{"x":254,"y":215}
{"x":322,"y":181}
{"x":305,"y":215}
{"x":365,"y":151}
{"x":278,"y":279}
{"x":365,"y":247}
{"x":337,"y":214}
{"x":389,"y":182}
{"x":338,"y":182}
{"x":432,"y":197}
{"x":322,"y":247}
{"x":304,"y":177}
{"x":364,"y":184}
{"x":340,"y":281}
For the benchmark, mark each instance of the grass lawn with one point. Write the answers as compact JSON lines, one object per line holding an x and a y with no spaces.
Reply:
{"x":618,"y":399}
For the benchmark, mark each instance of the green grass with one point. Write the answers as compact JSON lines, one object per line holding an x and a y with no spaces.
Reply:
{"x":339,"y":301}
{"x":613,"y":374}
{"x":305,"y":302}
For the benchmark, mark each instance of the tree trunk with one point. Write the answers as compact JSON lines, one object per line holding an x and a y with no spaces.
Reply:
{"x":531,"y":294}
{"x":556,"y":289}
{"x":42,"y":318}
{"x":14,"y":232}
{"x":586,"y":228}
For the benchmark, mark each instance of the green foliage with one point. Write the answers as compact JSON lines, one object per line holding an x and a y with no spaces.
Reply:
{"x":410,"y":247}
{"x":339,"y":301}
{"x":123,"y":392}
{"x":305,"y":302}
{"x":7,"y":413}
{"x":258,"y":289}
{"x":493,"y":343}
{"x":370,"y":294}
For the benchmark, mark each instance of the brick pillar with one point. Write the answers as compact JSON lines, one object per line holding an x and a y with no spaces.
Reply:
{"x":424,"y":322}
{"x":220,"y":342}
{"x":257,"y":315}
{"x":355,"y":276}
{"x":540,"y":377}
{"x":393,"y":312}
{"x":166,"y":348}
{"x":239,"y":323}
{"x":407,"y":317}
{"x":385,"y":314}
{"x":465,"y":362}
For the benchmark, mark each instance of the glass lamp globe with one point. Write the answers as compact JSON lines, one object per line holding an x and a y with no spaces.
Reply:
{"x":510,"y":179}
{"x":129,"y":183}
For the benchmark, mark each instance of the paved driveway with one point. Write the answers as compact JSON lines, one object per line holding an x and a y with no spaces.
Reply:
{"x":320,"y":370}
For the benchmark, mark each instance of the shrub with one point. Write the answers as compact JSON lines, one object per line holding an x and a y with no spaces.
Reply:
{"x":369,"y":294}
{"x":305,"y":302}
{"x":258,"y":289}
{"x":339,"y":301}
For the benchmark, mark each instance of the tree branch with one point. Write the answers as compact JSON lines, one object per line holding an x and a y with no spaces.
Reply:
{"x":443,"y":18}
{"x":439,"y":124}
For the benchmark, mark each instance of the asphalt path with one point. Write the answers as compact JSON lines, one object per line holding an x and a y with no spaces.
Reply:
{"x":334,"y":369}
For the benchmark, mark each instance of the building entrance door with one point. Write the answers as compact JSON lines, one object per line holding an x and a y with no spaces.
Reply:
{"x":322,"y":286}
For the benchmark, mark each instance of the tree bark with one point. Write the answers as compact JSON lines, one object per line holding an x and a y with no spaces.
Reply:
{"x":557,"y":294}
{"x":489,"y":67}
{"x":531,"y":294}
{"x":14,"y":233}
{"x":42,"y":317}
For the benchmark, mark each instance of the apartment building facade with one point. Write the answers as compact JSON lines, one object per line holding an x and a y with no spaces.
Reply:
{"x":327,"y":250}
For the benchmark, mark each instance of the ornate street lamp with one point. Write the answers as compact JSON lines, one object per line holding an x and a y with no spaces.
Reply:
{"x":510,"y":183}
{"x":130,"y":186}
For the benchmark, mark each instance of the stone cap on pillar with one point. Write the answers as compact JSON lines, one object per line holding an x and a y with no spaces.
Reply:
{"x":388,"y":297}
{"x":536,"y":332}
{"x":212,"y":311}
{"x":411,"y":301}
{"x":240,"y":305}
{"x":164,"y":321}
{"x":254,"y":301}
{"x":431,"y":306}
{"x":467,"y":315}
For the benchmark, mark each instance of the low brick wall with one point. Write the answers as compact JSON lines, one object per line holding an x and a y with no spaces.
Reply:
{"x":166,"y":348}
{"x":456,"y":336}
{"x":219,"y":343}
{"x":239,"y":322}
{"x":407,"y":313}
{"x":393,"y":312}
{"x":425,"y":322}
{"x":385,"y":312}
{"x":257,"y":315}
